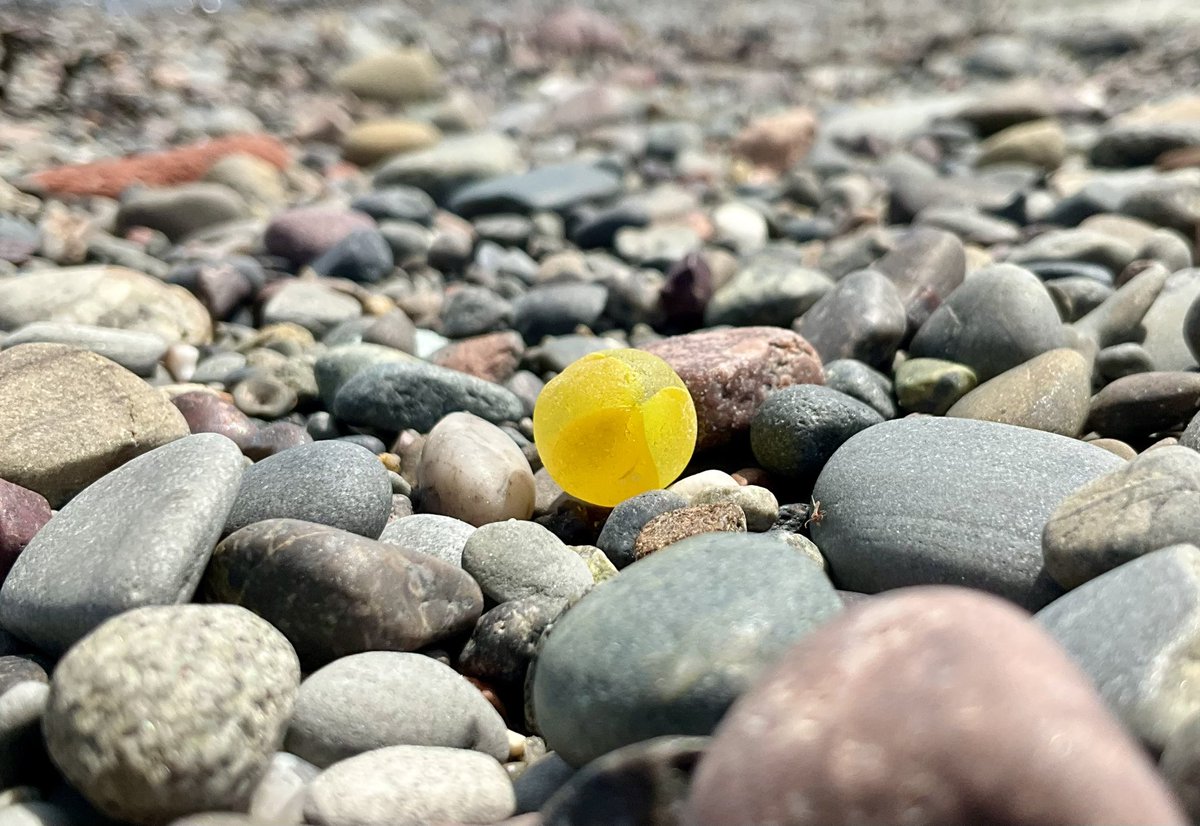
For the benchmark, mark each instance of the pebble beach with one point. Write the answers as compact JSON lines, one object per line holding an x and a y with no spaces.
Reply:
{"x":621,"y":414}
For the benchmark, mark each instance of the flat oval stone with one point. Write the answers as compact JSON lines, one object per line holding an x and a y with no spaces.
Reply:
{"x":557,"y":309}
{"x":414,"y":395}
{"x":817,"y":740}
{"x":1130,"y":630}
{"x":1050,"y":392}
{"x":57,"y":439}
{"x":948,"y":501}
{"x":179,"y":211}
{"x":106,"y":296}
{"x":730,"y":372}
{"x":554,"y":188}
{"x":1119,"y":317}
{"x":304,"y":233}
{"x":378,"y":699}
{"x":1145,"y":403}
{"x":138,"y":352}
{"x":1149,"y":503}
{"x":861,"y":318}
{"x":411,"y":786}
{"x":473,"y":471}
{"x":194,"y":732}
{"x":1165,"y":326}
{"x":356,"y":594}
{"x":1000,"y":317}
{"x":331,"y":483}
{"x":139,"y":536}
{"x":723,"y":607}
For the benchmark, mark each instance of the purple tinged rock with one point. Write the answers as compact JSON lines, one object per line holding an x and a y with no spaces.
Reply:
{"x":22,"y":515}
{"x":819,"y":740}
{"x":861,"y":318}
{"x":926,"y":267}
{"x":302,"y":234}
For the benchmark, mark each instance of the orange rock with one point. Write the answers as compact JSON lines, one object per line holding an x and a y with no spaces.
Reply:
{"x":173,"y":166}
{"x":779,"y":141}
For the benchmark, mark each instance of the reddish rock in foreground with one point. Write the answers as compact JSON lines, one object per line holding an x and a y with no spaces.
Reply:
{"x":929,"y":706}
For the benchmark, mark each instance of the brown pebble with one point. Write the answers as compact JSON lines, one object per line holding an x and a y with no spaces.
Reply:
{"x":672,"y":526}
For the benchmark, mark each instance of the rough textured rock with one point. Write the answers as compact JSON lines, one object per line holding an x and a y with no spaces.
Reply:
{"x":675,"y":525}
{"x":797,"y":429}
{"x":1131,"y":630}
{"x":516,"y":559}
{"x":104,"y":296}
{"x":139,"y":536}
{"x":166,"y":711}
{"x":948,"y":501}
{"x":818,"y":741}
{"x":730,"y":372}
{"x":1149,"y":503}
{"x":358,"y":594}
{"x":627,"y":519}
{"x":442,"y":537}
{"x":22,"y":515}
{"x":723,"y":606}
{"x":385,"y":698}
{"x":331,"y":483}
{"x":505,"y":639}
{"x":1050,"y":392}
{"x":411,"y":786}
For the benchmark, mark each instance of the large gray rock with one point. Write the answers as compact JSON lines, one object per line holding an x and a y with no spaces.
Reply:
{"x":1132,"y":631}
{"x":334,"y":593}
{"x":333,"y":483}
{"x":722,"y":606}
{"x":554,"y":188}
{"x":948,"y":501}
{"x":1150,"y":503}
{"x":57,"y":439}
{"x":1050,"y":392}
{"x":166,"y":711}
{"x":411,"y":786}
{"x":337,"y":365}
{"x":1000,"y":317}
{"x":386,"y":698}
{"x":140,"y":536}
{"x":417,"y":396}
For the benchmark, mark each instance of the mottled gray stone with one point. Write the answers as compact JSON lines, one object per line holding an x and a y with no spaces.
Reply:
{"x":506,"y":637}
{"x":136,"y":351}
{"x":331,"y":483}
{"x":442,"y":537}
{"x":515,"y":559}
{"x":387,"y":698}
{"x":948,"y":501}
{"x":139,"y":536}
{"x":797,"y":429}
{"x":166,"y":711}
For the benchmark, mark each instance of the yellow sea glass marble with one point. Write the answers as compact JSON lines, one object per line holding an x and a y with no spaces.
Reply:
{"x":615,"y":424}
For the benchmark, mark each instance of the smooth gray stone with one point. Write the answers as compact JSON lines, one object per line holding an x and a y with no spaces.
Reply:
{"x":1167,"y":330}
{"x":928,"y":500}
{"x":1120,"y":317}
{"x":140,"y":535}
{"x":1000,"y":317}
{"x":864,"y":383}
{"x":861,"y":318}
{"x":927,"y":266}
{"x":1076,"y":245}
{"x":279,"y":796}
{"x":723,"y":607}
{"x":411,"y":786}
{"x":772,"y":288}
{"x":797,"y":429}
{"x":333,"y":483}
{"x":1132,"y":631}
{"x":339,"y":364}
{"x":442,"y":537}
{"x":515,"y":559}
{"x":135,"y":351}
{"x":557,"y":309}
{"x":555,"y":188}
{"x":389,"y":698}
{"x":398,"y":396}
{"x":538,"y":783}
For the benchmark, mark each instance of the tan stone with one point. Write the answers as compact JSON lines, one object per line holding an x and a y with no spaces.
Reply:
{"x":397,"y":76}
{"x":672,"y":526}
{"x":1040,"y":143}
{"x":378,"y":140}
{"x":777,"y":141}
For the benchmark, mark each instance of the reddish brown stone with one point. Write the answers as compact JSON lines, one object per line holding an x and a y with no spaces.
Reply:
{"x":933,"y":705}
{"x":492,"y":357}
{"x":672,"y":526}
{"x":730,"y":372}
{"x":209,"y":413}
{"x":1184,"y":158}
{"x":779,"y":141}
{"x":173,"y":166}
{"x":22,"y":514}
